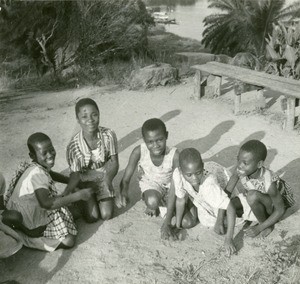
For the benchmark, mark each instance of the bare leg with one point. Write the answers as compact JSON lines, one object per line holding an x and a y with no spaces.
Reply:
{"x":261,"y":205}
{"x":90,"y":210}
{"x":152,"y":199}
{"x":68,"y":242}
{"x":190,"y":218}
{"x":106,"y":208}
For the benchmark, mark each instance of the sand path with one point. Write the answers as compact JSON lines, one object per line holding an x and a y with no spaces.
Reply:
{"x":128,"y":248}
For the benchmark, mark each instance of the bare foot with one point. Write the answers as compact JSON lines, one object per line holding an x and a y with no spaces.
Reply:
{"x":152,"y":212}
{"x":266,"y":232}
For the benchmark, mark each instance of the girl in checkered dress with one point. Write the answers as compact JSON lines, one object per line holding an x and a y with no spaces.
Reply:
{"x":33,"y":194}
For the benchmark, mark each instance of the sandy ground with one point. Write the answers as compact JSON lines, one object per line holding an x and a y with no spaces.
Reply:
{"x":128,"y":248}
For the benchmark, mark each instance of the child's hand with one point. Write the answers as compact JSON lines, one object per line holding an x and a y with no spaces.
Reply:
{"x":36,"y":233}
{"x":229,"y":246}
{"x":240,"y":173}
{"x":168,"y":232}
{"x":253,"y":231}
{"x":219,"y":228}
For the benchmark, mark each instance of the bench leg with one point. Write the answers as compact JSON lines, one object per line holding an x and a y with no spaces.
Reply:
{"x":237,"y":101}
{"x":197,"y":91}
{"x":290,"y":114}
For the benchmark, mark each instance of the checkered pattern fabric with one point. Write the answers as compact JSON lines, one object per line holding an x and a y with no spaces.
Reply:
{"x":60,"y":221}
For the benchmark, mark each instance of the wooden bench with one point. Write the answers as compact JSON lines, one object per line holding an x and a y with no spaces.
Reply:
{"x":290,"y":88}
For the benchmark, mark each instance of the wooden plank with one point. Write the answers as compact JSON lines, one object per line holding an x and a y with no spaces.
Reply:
{"x":237,"y":102}
{"x":265,"y":75}
{"x":268,"y":80}
{"x":290,"y":114}
{"x":256,"y":78}
{"x":197,"y":90}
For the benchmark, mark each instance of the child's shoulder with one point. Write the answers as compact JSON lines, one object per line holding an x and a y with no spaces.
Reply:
{"x":106,"y":130}
{"x":36,"y":169}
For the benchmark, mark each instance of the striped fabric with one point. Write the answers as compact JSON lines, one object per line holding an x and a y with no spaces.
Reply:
{"x":79,"y":155}
{"x":263,"y":183}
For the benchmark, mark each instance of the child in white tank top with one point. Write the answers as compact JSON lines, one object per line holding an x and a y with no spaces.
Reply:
{"x":155,"y":162}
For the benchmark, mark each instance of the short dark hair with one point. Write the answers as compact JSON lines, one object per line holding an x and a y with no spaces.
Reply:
{"x":257,"y":148}
{"x":153,"y":124}
{"x":190,"y":155}
{"x":84,"y":102}
{"x":36,"y":138}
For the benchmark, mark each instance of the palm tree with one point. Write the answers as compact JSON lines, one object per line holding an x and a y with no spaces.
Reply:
{"x":243,"y":25}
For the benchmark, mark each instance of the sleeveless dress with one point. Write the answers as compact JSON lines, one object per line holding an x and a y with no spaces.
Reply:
{"x":155,"y":177}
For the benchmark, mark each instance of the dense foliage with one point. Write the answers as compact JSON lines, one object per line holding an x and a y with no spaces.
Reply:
{"x":243,"y":25}
{"x":56,"y":34}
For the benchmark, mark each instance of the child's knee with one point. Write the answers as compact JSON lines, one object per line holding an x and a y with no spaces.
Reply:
{"x":69,"y":241}
{"x":188,"y":222}
{"x":106,"y":215}
{"x":152,"y":202}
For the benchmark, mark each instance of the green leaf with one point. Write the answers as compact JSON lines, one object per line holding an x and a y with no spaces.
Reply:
{"x":271,"y":53}
{"x":290,"y":55}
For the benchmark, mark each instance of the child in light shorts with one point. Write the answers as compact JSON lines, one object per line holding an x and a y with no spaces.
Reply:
{"x":156,"y":162}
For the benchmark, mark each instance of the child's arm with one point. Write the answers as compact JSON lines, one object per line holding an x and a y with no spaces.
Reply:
{"x":231,"y":216}
{"x":166,"y":229}
{"x":180,"y":206}
{"x":232,"y":183}
{"x":274,"y":217}
{"x":50,"y":203}
{"x":219,"y":225}
{"x":175,"y":160}
{"x":58,"y":177}
{"x":122,"y":197}
{"x":73,"y":181}
{"x":111,"y":168}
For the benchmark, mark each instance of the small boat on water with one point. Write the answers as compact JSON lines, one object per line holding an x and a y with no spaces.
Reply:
{"x":163,"y":17}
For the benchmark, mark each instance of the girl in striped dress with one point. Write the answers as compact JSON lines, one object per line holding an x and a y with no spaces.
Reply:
{"x":92,"y":155}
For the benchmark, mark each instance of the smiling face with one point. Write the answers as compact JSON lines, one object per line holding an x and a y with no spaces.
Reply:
{"x":192,"y":171}
{"x":44,"y":154}
{"x":248,"y":165}
{"x":156,"y":141}
{"x":88,"y":118}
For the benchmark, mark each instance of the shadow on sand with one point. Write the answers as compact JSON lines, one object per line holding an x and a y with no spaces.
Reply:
{"x":25,"y":258}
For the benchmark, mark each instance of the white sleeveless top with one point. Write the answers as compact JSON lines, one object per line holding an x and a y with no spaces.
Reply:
{"x":155,"y":177}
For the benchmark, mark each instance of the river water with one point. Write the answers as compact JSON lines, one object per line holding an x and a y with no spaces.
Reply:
{"x":189,"y":15}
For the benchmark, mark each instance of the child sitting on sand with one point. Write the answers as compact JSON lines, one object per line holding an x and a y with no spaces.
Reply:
{"x":33,"y":195}
{"x":10,"y":242}
{"x":264,"y":196}
{"x":196,"y":192}
{"x":156,"y":163}
{"x":92,"y":155}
